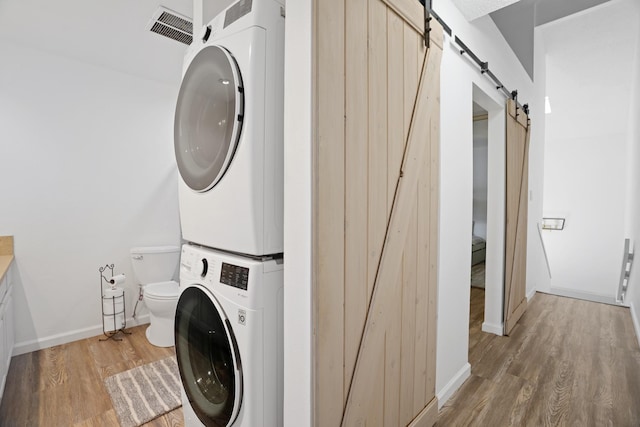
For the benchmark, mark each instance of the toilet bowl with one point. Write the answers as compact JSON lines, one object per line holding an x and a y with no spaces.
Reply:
{"x":154,"y":268}
{"x":161,"y":299}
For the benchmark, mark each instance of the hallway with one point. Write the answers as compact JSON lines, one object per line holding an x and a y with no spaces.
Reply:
{"x":568,"y":362}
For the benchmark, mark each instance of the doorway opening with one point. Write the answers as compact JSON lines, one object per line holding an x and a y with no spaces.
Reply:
{"x":487,"y":237}
{"x":478,"y":224}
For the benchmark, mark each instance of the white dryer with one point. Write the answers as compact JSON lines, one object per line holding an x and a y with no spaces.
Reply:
{"x":229,"y":339}
{"x":228,"y":131}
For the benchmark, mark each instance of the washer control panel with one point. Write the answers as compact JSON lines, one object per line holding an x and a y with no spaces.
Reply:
{"x":234,"y":275}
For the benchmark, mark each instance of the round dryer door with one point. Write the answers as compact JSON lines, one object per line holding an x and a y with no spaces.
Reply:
{"x":208,"y":358}
{"x":208,"y":119}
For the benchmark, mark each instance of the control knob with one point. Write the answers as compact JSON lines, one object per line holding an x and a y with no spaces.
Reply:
{"x":203,"y":267}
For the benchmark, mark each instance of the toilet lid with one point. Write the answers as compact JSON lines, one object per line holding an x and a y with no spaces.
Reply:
{"x":162,"y":290}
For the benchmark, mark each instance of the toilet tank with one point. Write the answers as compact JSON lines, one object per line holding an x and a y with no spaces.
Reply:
{"x":153,"y":264}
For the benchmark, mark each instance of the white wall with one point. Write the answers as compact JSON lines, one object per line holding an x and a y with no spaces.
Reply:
{"x":538,"y":276}
{"x":298,"y":131}
{"x":632,"y":223}
{"x":480,"y":152}
{"x":586,"y":146}
{"x":86,"y":172}
{"x":459,"y":75}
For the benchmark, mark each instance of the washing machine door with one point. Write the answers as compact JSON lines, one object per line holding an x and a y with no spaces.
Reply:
{"x":208,"y":357}
{"x":208,"y":119}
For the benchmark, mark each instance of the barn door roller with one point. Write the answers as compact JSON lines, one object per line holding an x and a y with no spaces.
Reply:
{"x":427,"y":25}
{"x":429,"y":14}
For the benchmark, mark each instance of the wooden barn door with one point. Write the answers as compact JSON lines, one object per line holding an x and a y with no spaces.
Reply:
{"x":376,"y":148}
{"x":515,"y":295}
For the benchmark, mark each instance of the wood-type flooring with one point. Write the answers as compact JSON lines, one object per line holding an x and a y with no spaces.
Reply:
{"x":63,"y":385}
{"x":568,"y":362}
{"x":477,"y":275}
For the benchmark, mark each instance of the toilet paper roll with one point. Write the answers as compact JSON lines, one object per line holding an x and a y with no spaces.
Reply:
{"x":113,"y":292}
{"x":112,"y":323}
{"x":113,"y":301}
{"x":117,"y":280}
{"x":113,"y":309}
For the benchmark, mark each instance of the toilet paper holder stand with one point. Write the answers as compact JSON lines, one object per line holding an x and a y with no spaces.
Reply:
{"x":113,"y":307}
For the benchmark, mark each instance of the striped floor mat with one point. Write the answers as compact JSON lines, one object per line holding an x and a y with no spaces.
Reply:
{"x":141,"y":394}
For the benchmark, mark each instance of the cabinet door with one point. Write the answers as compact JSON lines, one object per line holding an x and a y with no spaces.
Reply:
{"x":8,"y":327}
{"x":4,"y":283}
{"x":3,"y":335}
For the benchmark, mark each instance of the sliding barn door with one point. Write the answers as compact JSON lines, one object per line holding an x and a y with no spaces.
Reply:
{"x":375,"y":200}
{"x":515,"y":295}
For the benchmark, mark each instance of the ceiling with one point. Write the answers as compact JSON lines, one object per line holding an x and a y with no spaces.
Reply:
{"x":478,"y":110}
{"x":110,"y":33}
{"x":551,"y":10}
{"x":472,"y":9}
{"x":516,"y":20}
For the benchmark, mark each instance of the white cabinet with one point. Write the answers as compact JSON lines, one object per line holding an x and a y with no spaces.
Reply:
{"x":7,"y":337}
{"x":3,"y":349}
{"x":10,"y":338}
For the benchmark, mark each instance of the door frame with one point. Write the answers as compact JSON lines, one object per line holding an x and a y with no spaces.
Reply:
{"x":496,"y":215}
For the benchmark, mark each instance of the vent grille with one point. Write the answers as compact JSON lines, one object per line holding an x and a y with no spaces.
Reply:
{"x":177,"y":22}
{"x":172,"y":25}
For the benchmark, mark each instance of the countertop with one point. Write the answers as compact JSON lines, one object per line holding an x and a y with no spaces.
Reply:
{"x":6,"y":254}
{"x":5,"y":262}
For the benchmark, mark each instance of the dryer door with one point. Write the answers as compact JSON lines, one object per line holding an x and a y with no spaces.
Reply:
{"x":208,"y":358}
{"x":208,"y":120}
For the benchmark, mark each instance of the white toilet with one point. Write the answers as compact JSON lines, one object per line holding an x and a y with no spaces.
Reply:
{"x":154,"y":267}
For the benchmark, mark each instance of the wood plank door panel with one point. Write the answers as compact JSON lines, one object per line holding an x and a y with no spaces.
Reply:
{"x":356,"y":224}
{"x":329,"y":213}
{"x":376,"y":172}
{"x":515,"y":296}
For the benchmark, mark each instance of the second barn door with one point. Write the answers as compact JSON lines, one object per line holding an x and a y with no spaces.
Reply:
{"x":515,"y":278}
{"x":375,"y":201}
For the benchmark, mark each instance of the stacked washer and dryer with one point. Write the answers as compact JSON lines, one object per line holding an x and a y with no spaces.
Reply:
{"x":229,"y":151}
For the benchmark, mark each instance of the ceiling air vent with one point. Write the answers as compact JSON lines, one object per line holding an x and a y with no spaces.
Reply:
{"x":171,"y":24}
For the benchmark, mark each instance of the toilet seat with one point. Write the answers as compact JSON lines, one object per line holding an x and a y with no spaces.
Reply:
{"x":162,"y":290}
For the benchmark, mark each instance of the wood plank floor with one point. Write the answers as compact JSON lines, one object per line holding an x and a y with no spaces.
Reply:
{"x":477,"y":275}
{"x":63,"y":385}
{"x":567,"y":363}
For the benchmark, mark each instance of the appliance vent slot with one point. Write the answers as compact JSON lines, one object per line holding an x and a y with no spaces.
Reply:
{"x":172,"y":33}
{"x":176,"y":22}
{"x":172,"y":25}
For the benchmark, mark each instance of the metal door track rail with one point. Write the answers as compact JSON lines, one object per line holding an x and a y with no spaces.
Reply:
{"x":484,"y":66}
{"x":484,"y":69}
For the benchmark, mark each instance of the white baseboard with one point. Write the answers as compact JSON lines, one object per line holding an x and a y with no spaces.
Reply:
{"x":492,"y":328}
{"x":498,"y":328}
{"x":67,"y":337}
{"x":453,"y":385}
{"x":587,"y":296}
{"x":636,"y":323}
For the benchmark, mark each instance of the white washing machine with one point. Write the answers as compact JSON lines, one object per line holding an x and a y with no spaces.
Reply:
{"x":229,"y":339}
{"x":228,"y":131}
